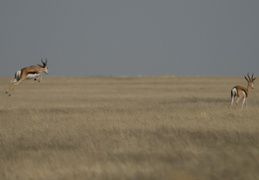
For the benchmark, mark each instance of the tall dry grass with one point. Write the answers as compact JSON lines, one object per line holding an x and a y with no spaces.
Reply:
{"x":160,"y":127}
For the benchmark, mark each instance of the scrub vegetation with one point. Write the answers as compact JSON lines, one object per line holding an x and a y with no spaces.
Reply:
{"x":155,"y":127}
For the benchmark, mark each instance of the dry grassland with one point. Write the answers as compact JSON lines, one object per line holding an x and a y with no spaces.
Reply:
{"x":160,"y":127}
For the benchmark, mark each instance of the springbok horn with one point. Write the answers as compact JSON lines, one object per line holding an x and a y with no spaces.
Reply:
{"x":248,"y":76}
{"x":42,"y":61}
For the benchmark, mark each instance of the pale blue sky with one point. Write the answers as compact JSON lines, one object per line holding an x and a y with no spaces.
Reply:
{"x":131,"y":37}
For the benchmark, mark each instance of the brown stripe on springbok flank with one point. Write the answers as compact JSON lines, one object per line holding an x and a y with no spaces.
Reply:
{"x":245,"y":90}
{"x":33,"y":72}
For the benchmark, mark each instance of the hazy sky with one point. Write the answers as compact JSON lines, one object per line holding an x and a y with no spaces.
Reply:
{"x":131,"y":37}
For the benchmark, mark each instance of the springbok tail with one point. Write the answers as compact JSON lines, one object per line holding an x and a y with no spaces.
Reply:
{"x":233,"y":92}
{"x":17,"y":75}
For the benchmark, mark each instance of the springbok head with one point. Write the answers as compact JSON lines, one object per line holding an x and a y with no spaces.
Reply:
{"x":44,"y":65}
{"x":250,"y":80}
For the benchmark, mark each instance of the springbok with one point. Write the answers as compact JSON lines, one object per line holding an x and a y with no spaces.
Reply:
{"x":242,"y":92}
{"x":31,"y":72}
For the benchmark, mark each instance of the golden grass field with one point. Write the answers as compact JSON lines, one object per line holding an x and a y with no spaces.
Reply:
{"x":156,"y":127}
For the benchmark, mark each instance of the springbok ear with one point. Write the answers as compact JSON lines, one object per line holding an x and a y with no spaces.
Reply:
{"x":253,"y":78}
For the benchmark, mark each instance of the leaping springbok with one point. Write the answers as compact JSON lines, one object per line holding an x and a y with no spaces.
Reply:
{"x":242,"y":92}
{"x":31,"y":72}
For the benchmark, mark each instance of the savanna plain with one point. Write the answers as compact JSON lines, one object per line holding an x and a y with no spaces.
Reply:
{"x":155,"y":127}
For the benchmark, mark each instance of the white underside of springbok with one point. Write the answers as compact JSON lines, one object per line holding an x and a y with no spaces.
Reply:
{"x":35,"y":76}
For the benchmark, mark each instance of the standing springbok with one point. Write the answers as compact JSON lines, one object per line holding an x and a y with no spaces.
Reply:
{"x":242,"y":92}
{"x":31,"y":72}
